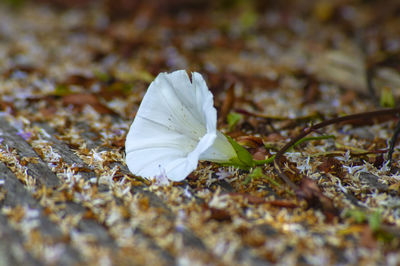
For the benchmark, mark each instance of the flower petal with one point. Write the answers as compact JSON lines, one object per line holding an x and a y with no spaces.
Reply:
{"x":175,"y":124}
{"x":204,"y":98}
{"x":220,"y":152}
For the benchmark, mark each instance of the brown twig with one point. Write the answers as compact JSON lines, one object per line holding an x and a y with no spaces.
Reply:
{"x":308,"y":130}
{"x":392,"y":143}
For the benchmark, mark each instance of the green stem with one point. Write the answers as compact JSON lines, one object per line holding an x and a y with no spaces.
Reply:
{"x":266,"y":161}
{"x":272,"y":158}
{"x":311,"y":138}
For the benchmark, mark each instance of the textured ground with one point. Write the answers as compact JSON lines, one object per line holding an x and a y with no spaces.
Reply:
{"x":71,"y":80}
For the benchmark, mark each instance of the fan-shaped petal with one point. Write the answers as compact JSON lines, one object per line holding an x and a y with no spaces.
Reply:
{"x":174,"y":127}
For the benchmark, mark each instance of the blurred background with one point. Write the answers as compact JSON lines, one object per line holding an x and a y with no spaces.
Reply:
{"x":313,"y":53}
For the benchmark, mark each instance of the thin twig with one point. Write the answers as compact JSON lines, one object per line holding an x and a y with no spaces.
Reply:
{"x":392,"y":143}
{"x":308,"y":130}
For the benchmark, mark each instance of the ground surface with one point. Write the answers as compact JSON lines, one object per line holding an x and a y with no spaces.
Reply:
{"x":71,"y":80}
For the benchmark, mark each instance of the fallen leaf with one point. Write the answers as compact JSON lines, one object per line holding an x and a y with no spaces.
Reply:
{"x":332,"y":166}
{"x":309,"y":191}
{"x":220,"y":215}
{"x":259,"y":153}
{"x":250,"y":141}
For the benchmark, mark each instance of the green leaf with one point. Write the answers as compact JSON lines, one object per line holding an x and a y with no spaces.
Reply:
{"x":102,"y":76}
{"x":120,"y":87}
{"x":255,"y":174}
{"x":243,"y":156}
{"x":358,"y":215}
{"x":144,"y":75}
{"x":248,"y":18}
{"x":233,"y":118}
{"x":62,"y":90}
{"x":387,"y":98}
{"x":375,"y":220}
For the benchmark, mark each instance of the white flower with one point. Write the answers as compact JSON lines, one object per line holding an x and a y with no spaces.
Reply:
{"x":174,"y":128}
